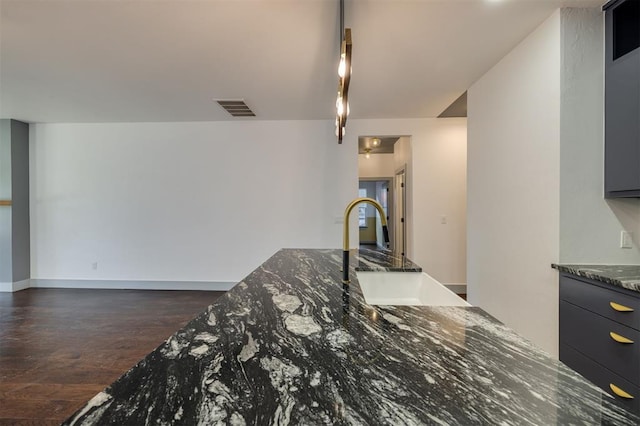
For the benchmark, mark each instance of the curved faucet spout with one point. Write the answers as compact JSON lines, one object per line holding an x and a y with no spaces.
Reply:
{"x":345,"y":236}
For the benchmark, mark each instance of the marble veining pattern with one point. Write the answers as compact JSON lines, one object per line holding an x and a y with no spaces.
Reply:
{"x":625,"y":276}
{"x":291,"y":344}
{"x":383,"y":261}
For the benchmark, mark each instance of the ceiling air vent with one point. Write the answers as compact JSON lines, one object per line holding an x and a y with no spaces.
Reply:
{"x":237,"y":108}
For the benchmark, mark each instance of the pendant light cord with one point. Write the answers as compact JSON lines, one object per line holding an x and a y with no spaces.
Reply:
{"x":341,"y":21}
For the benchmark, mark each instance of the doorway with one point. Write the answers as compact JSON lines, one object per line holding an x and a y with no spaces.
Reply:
{"x":370,"y":224}
{"x":384,"y":173}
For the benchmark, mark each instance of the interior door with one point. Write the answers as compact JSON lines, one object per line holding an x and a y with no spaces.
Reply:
{"x":399,"y":234}
{"x":382,"y":196}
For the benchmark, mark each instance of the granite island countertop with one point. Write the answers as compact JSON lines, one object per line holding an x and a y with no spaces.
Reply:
{"x":382,"y":261}
{"x":625,"y":276}
{"x":290,"y":344}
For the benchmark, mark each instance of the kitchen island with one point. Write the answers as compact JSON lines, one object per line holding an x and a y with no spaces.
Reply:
{"x":290,"y":344}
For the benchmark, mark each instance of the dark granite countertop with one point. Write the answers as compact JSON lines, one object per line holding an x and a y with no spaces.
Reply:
{"x":290,"y":344}
{"x":625,"y":276}
{"x":382,"y":260}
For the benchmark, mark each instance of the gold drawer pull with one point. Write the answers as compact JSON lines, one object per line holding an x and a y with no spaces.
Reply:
{"x":620,"y":392}
{"x":620,"y":308}
{"x":620,"y":339}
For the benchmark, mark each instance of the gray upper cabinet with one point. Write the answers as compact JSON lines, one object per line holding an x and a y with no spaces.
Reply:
{"x":622,"y":98}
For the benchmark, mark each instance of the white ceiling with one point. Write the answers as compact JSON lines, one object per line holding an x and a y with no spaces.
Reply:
{"x":167,"y":60}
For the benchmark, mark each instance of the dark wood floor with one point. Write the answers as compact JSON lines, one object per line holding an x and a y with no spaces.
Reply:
{"x":59,"y":347}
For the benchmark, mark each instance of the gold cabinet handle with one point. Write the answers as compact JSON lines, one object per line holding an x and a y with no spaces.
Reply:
{"x":620,"y":308}
{"x":620,"y":339}
{"x":620,"y":392}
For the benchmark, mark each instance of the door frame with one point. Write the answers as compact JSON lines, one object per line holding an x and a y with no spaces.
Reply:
{"x":403,"y":221}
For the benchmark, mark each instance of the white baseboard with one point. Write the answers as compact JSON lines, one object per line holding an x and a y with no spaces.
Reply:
{"x":13,"y":287}
{"x":134,"y":285}
{"x":457,"y":288}
{"x":21,"y":285}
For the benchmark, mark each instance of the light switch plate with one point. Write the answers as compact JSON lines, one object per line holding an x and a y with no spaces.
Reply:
{"x":626,"y":239}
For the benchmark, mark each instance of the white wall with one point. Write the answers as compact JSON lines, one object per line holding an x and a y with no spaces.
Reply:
{"x":378,"y":165}
{"x":183,"y":201}
{"x":211,"y":201}
{"x":589,"y":224}
{"x":437,"y":153}
{"x":513,"y":187}
{"x":440,"y":191}
{"x":402,"y":154}
{"x":536,"y":180}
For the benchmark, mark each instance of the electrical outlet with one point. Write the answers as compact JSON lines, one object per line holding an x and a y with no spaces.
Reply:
{"x":443,"y":220}
{"x":94,"y":266}
{"x":626,"y":239}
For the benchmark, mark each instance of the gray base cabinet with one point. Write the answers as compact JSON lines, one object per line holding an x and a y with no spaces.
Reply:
{"x":622,"y":99}
{"x":600,"y":336}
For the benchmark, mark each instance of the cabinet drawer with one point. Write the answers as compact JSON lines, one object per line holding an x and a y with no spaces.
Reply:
{"x":601,"y":377}
{"x":591,"y":334}
{"x":608,"y":303}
